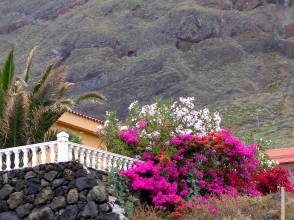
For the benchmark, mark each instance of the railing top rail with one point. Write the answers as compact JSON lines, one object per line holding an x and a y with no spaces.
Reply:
{"x":102,"y":151}
{"x":28,"y":146}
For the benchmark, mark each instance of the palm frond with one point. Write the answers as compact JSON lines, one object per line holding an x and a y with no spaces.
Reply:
{"x":7,"y":72}
{"x":26,"y":115}
{"x":91,"y":96}
{"x":49,"y":88}
{"x":27,"y":69}
{"x":45,"y":74}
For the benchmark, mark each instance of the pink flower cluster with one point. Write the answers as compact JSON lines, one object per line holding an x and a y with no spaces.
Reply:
{"x":129,"y":136}
{"x":212,"y":164}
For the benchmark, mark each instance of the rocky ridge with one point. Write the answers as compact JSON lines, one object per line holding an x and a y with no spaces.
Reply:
{"x":236,"y":56}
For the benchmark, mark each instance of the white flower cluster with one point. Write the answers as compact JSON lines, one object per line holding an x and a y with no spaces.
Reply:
{"x":265,"y":161}
{"x":133,"y":104}
{"x":149,"y":110}
{"x":194,"y":121}
{"x":184,"y":114}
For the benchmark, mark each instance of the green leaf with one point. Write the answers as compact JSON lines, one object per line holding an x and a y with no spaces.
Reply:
{"x":7,"y":72}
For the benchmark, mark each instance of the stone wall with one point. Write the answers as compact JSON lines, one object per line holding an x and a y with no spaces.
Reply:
{"x":54,"y":191}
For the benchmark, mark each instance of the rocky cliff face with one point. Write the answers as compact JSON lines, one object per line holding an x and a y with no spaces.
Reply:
{"x":233,"y":55}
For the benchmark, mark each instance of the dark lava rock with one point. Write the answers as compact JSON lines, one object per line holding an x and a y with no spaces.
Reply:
{"x":44,"y":213}
{"x":72,"y":196}
{"x":15,"y":199}
{"x":70,"y":213}
{"x":97,"y":194}
{"x":68,"y":174}
{"x":45,"y":195}
{"x":110,"y":216}
{"x":58,"y":203}
{"x":50,"y":176}
{"x":24,"y":210}
{"x":83,"y":195}
{"x":5,"y":178}
{"x":3,"y":206}
{"x":81,"y":173}
{"x":105,"y":207}
{"x":90,"y":210}
{"x":44,"y":183}
{"x":5,"y":191}
{"x":59,"y":191}
{"x":9,"y":216}
{"x":85,"y":183}
{"x":29,"y":198}
{"x":32,"y":187}
{"x":30,"y":175}
{"x":19,"y":185}
{"x":57,"y":182}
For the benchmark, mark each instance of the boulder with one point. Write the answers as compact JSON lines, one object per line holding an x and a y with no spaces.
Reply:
{"x":58,"y":203}
{"x":57,"y":182}
{"x":43,"y":213}
{"x":9,"y":216}
{"x":70,"y":213}
{"x":45,"y":195}
{"x":97,"y":194}
{"x":15,"y":199}
{"x":85,"y":183}
{"x":30,"y":175}
{"x":24,"y":210}
{"x":5,"y":191}
{"x":50,"y":176}
{"x":72,"y":196}
{"x":90,"y":210}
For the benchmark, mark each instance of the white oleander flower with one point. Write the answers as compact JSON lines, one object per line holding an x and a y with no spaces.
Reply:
{"x":133,"y":104}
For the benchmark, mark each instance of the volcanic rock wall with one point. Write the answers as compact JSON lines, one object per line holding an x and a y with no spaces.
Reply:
{"x":54,"y":191}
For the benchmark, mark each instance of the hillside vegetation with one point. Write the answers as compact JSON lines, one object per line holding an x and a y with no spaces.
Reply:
{"x":236,"y":56}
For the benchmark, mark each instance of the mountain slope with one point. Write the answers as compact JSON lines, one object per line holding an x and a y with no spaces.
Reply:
{"x":236,"y":56}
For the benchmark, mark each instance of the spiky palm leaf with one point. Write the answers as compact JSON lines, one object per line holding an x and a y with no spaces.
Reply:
{"x":28,"y":67}
{"x":27,"y":115}
{"x":91,"y":96}
{"x":6,"y":79}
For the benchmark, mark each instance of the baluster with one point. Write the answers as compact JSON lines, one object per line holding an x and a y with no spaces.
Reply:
{"x":130,"y":164}
{"x":16,"y":159}
{"x":76,"y":153}
{"x":34,"y":156}
{"x":121,"y":163}
{"x":104,"y":162}
{"x":99,"y":161}
{"x":70,"y":148}
{"x":43,"y":154}
{"x":93,"y":159}
{"x":1,"y":161}
{"x":125,"y":164}
{"x":115,"y":160}
{"x":82,"y":156}
{"x":88,"y":159}
{"x":8,"y":160}
{"x":109,"y":164}
{"x":25,"y":158}
{"x":52,"y":153}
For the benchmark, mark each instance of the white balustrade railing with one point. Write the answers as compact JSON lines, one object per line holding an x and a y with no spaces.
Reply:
{"x":61,"y":151}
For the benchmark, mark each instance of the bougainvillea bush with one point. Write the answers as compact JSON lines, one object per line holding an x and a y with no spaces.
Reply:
{"x":187,"y":156}
{"x":151,"y":127}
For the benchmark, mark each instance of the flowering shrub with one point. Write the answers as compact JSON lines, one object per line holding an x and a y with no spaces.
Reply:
{"x":212,"y":164}
{"x":270,"y":178}
{"x":188,"y":156}
{"x":151,"y":127}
